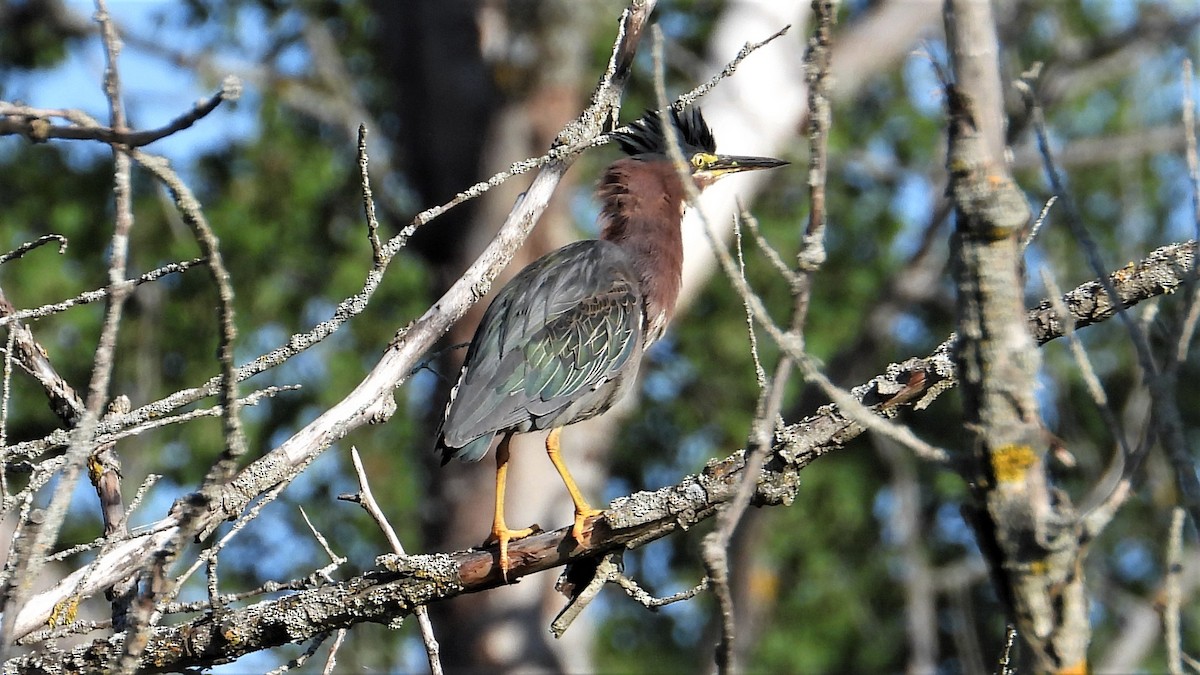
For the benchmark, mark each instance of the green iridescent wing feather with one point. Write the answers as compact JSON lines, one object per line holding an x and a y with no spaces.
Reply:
{"x":564,"y":326}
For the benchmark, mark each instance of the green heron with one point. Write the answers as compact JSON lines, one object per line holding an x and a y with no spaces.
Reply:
{"x":561,"y":342}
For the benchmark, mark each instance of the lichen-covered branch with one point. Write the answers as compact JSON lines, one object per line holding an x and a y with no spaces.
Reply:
{"x":1026,"y":529}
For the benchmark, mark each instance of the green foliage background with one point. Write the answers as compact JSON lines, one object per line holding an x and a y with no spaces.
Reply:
{"x":828,"y":571}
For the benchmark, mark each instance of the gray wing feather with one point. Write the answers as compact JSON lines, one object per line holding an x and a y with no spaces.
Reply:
{"x":553,"y":337}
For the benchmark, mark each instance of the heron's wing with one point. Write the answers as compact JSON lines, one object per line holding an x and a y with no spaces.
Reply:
{"x":564,"y":326}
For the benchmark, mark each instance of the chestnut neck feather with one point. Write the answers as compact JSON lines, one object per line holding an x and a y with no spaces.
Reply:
{"x":642,"y":205}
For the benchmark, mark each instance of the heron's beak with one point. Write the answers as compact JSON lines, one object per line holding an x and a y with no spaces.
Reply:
{"x":732,"y":164}
{"x":725,"y":165}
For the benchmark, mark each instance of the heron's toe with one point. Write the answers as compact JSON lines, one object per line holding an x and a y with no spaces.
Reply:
{"x":581,"y":518}
{"x":502,"y":536}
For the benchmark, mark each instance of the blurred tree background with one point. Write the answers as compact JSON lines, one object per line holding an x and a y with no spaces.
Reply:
{"x":872,"y":569}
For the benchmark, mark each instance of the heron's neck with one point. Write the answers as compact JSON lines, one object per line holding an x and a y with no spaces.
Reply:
{"x":643,"y":217}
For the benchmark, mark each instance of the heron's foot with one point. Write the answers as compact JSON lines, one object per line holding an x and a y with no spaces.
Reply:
{"x":581,"y":518}
{"x":503,"y":535}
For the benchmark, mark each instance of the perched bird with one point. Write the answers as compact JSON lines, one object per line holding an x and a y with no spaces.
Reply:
{"x":562,"y":341}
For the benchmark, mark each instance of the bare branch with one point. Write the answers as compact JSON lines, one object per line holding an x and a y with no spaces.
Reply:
{"x":98,"y":294}
{"x":65,"y":402}
{"x":46,"y":533}
{"x":193,"y":215}
{"x":1171,"y":624}
{"x":29,"y":246}
{"x":364,"y":178}
{"x":366,"y":499}
{"x":34,"y":124}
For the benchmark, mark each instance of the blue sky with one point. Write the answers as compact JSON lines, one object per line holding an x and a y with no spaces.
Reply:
{"x":155,"y":90}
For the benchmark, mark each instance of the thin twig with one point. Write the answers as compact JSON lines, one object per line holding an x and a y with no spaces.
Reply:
{"x":5,"y":400}
{"x":1187,"y":329}
{"x":193,"y":215}
{"x":268,"y":587}
{"x":773,"y":256}
{"x":368,"y":198}
{"x":311,"y":651}
{"x":635,"y":591}
{"x":1075,"y":220}
{"x":432,"y":649}
{"x":1037,"y":223}
{"x":99,"y":293}
{"x":1004,"y":665}
{"x":366,"y":499}
{"x":29,"y":246}
{"x":331,"y":660}
{"x":715,"y":546}
{"x":760,"y":374}
{"x":1162,"y":382}
{"x":55,"y":513}
{"x":714,"y":551}
{"x":730,"y":68}
{"x":29,"y":449}
{"x":1113,"y":495}
{"x":31,"y":122}
{"x":333,"y":557}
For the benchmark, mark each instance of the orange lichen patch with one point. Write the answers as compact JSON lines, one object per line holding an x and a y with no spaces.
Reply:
{"x":168,"y":654}
{"x":94,"y":467}
{"x":1010,"y":462}
{"x":1080,"y":668}
{"x":998,"y":233}
{"x":1125,"y":273}
{"x":720,"y":468}
{"x":64,"y":612}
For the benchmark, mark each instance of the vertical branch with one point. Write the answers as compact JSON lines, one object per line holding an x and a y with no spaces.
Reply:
{"x":193,"y":215}
{"x":5,"y":397}
{"x":1188,"y":328}
{"x":364,"y":178}
{"x":46,"y":533}
{"x":366,"y":499}
{"x":1027,"y":530}
{"x":920,"y":593}
{"x":816,"y":76}
{"x":1171,"y":626}
{"x":970,"y":28}
{"x":1162,"y":382}
{"x":104,"y":471}
{"x":715,"y":546}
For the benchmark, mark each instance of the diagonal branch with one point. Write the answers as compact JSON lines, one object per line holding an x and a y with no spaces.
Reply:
{"x":371,"y":401}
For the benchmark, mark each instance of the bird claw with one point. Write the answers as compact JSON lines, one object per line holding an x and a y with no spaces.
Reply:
{"x":502,"y":537}
{"x":581,"y":518}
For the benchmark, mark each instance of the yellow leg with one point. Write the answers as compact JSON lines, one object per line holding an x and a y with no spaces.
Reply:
{"x":583,"y":510}
{"x":500,"y":532}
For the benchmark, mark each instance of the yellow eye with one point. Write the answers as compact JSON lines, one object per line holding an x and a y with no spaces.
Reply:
{"x":698,"y":161}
